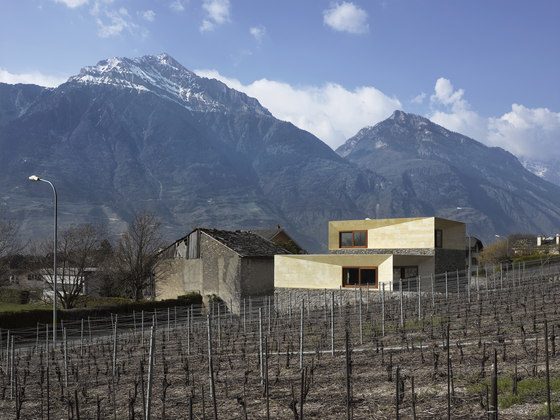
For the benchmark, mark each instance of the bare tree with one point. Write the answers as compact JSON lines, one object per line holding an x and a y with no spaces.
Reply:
{"x":495,"y":253}
{"x":10,"y":244}
{"x":137,"y":254}
{"x":77,"y":262}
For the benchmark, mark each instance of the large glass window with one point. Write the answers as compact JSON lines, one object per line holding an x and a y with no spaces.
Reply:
{"x":353,"y":239}
{"x":359,"y":276}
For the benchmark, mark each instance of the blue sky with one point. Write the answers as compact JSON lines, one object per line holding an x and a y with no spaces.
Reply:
{"x":488,"y":69}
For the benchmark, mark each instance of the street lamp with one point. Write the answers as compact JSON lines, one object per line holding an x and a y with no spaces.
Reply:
{"x":35,"y":178}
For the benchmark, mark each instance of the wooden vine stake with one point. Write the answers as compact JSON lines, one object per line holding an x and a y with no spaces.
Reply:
{"x":150,"y":373}
{"x":211,"y":369}
{"x":493,"y":412}
{"x":348,"y":379}
{"x":549,"y":409}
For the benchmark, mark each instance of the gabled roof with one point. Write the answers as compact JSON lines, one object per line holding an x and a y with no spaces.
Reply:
{"x":246,"y":244}
{"x":281,"y":237}
{"x":268,"y":234}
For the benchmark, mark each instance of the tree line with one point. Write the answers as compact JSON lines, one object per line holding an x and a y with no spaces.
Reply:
{"x":87,"y":259}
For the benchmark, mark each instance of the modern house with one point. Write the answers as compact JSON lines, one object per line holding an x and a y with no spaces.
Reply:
{"x":231,"y":265}
{"x":373,"y":252}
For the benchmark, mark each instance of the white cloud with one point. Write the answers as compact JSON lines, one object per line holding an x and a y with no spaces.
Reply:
{"x":217,"y":14}
{"x":418,"y":99}
{"x":346,"y":17}
{"x":35,"y":78}
{"x":72,"y":3}
{"x":531,"y":133}
{"x":331,"y":112}
{"x":445,"y":94}
{"x":453,"y":112}
{"x":113,"y":22}
{"x":177,"y":5}
{"x":258,"y":32}
{"x":149,"y":15}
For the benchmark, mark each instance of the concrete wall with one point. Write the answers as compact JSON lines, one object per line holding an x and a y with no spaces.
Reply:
{"x":325,"y":271}
{"x":415,"y":232}
{"x":454,"y":234}
{"x":405,"y":233}
{"x":425,"y":267}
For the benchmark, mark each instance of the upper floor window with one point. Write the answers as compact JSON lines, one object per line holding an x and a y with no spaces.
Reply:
{"x":353,"y":239}
{"x":439,"y":238}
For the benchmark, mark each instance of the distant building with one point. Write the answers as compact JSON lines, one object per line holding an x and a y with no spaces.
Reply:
{"x":231,"y":265}
{"x":280,"y":237}
{"x":474,"y":247}
{"x":370,"y":253}
{"x":72,"y":280}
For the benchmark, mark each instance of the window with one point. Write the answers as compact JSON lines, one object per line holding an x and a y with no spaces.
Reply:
{"x":408,"y":275}
{"x":359,"y":276}
{"x":439,"y":238}
{"x":405,"y":272}
{"x":353,"y":239}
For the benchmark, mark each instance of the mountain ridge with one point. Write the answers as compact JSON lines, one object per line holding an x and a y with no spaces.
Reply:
{"x":147,"y":134}
{"x":164,"y":76}
{"x":112,"y":150}
{"x":448,"y":170}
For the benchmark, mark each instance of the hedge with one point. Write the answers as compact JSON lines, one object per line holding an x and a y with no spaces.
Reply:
{"x":29,"y":319}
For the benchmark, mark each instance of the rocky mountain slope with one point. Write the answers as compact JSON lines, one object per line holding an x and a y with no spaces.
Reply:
{"x":456,"y":177}
{"x":134,"y":134}
{"x":128,"y":135}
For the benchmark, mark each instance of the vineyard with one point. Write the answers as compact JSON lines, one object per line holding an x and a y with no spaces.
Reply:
{"x":464,"y":348}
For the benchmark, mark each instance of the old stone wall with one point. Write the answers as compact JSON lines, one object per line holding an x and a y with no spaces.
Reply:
{"x":257,"y":276}
{"x":449,"y":260}
{"x":221,"y":269}
{"x":177,"y":277}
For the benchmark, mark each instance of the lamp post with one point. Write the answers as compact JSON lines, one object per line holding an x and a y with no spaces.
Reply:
{"x":35,"y":178}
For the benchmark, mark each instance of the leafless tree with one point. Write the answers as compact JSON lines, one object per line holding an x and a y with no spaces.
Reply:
{"x":77,"y":262}
{"x":137,"y":254}
{"x":10,"y":244}
{"x":495,"y":253}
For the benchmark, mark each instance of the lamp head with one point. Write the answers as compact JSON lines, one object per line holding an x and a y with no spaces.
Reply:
{"x":34,"y":178}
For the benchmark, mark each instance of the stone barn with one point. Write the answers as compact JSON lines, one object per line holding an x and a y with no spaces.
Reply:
{"x":231,"y":265}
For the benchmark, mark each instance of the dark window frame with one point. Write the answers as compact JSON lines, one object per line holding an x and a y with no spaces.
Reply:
{"x":353,"y":232}
{"x":438,"y":238}
{"x":403,"y":268}
{"x":360,"y":268}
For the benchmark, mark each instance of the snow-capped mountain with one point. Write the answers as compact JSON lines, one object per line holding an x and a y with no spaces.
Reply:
{"x":547,"y":170}
{"x":145,"y":133}
{"x":128,"y":135}
{"x":165,"y":77}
